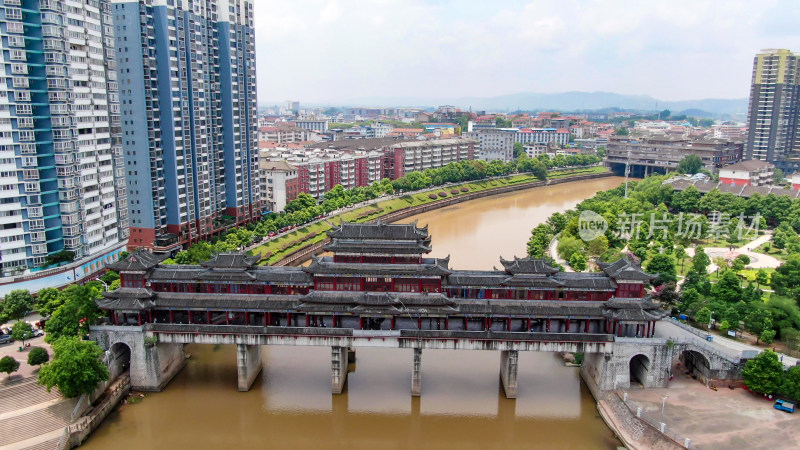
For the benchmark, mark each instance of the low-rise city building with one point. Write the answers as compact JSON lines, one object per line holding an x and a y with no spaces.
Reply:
{"x":753,"y":172}
{"x":662,"y":154}
{"x":279,"y":184}
{"x":494,"y":143}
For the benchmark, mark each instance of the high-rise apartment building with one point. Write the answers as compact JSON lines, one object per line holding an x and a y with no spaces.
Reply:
{"x":62,"y":187}
{"x":772,"y":114}
{"x":188,"y":92}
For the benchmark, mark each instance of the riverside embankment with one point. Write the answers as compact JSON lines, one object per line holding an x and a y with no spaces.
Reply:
{"x":462,"y":406}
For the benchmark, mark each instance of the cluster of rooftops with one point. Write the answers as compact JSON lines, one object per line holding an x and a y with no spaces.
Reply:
{"x":387,"y":240}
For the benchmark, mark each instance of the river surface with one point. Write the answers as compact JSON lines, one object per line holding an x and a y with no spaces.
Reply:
{"x":462,"y":404}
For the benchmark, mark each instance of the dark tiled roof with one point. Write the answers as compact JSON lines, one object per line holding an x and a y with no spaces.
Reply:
{"x":585,"y":281}
{"x":138,"y":261}
{"x":535,"y":281}
{"x":528,"y":265}
{"x":271,"y":274}
{"x":751,"y":164}
{"x":417,"y":247}
{"x":231,"y":261}
{"x":327,"y":266}
{"x":126,"y":298}
{"x":624,"y":269}
{"x":379,"y":230}
{"x":476,"y":278}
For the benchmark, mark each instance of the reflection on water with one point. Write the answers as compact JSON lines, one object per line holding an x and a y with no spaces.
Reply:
{"x":462,"y":404}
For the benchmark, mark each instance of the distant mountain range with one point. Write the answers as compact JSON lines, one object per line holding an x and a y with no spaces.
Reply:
{"x":569,"y":101}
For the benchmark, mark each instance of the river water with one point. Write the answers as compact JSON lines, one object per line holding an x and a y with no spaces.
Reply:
{"x":462,"y":404}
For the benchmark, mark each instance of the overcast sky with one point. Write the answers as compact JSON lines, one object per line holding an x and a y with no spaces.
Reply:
{"x":341,"y":51}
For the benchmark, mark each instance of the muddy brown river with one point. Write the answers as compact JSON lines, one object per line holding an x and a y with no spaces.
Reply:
{"x":462,"y":405}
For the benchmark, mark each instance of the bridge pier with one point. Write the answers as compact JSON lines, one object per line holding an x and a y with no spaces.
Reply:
{"x":508,"y":372}
{"x":248,"y":364}
{"x":416,"y":373}
{"x":338,"y":369}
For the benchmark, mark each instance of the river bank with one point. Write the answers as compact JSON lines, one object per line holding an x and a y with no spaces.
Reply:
{"x":389,"y":211}
{"x":462,"y":405}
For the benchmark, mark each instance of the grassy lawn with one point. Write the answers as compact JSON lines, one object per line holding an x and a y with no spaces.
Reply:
{"x":279,"y":248}
{"x":750,"y":274}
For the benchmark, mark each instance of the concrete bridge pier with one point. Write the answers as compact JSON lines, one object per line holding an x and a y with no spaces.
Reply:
{"x":416,"y":373}
{"x":248,"y":363}
{"x":338,"y":369}
{"x":508,"y":372}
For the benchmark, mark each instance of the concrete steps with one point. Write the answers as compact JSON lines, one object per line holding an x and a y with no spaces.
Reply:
{"x":36,"y":423}
{"x":24,"y":393}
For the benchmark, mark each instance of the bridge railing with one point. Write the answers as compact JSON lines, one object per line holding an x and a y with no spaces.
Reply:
{"x":403,"y":334}
{"x":701,"y":344}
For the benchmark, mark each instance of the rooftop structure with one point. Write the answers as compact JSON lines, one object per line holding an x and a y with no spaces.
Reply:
{"x":662,"y":154}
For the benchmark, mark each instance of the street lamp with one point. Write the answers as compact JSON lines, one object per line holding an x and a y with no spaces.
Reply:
{"x":663,"y":404}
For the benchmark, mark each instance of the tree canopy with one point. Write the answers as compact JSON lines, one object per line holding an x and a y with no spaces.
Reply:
{"x":75,"y":315}
{"x":77,"y":367}
{"x":8,"y":365}
{"x":17,"y":303}
{"x":690,"y":164}
{"x":38,"y":356}
{"x":764,"y":373}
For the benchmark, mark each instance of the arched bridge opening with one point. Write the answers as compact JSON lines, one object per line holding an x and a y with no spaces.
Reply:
{"x":119,"y":359}
{"x":639,"y":367}
{"x":695,"y":364}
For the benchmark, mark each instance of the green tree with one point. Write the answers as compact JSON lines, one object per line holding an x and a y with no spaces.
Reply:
{"x":578,"y":261}
{"x":778,"y":176}
{"x":17,"y":303}
{"x":764,"y":373}
{"x":663,"y":115}
{"x":47,"y":301}
{"x":518,"y":149}
{"x":21,"y":331}
{"x":680,"y":255}
{"x":728,"y":289}
{"x":790,"y":386}
{"x":767,"y":336}
{"x":701,"y":261}
{"x":757,"y":321}
{"x":568,"y":245}
{"x":38,"y":356}
{"x":621,"y":131}
{"x":8,"y":365}
{"x":598,"y":246}
{"x":77,"y":367}
{"x":703,"y":316}
{"x":73,"y":318}
{"x":690,"y":164}
{"x":664,"y":266}
{"x":724,"y":327}
{"x":786,"y":278}
{"x":762,"y":277}
{"x":791,"y":337}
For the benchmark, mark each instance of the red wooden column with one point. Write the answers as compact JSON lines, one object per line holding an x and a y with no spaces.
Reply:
{"x":114,"y":318}
{"x":189,"y":315}
{"x":528,"y":326}
{"x":508,"y":324}
{"x":567,"y":327}
{"x":586,"y":326}
{"x":637,"y":330}
{"x":307,"y":318}
{"x":139,"y":318}
{"x":392,"y":326}
{"x":466,"y":323}
{"x":150,"y":316}
{"x":548,"y":325}
{"x":288,"y":319}
{"x":246,"y":318}
{"x":171,"y":316}
{"x":619,"y":329}
{"x":208,"y":317}
{"x":419,"y":323}
{"x":447,"y":323}
{"x":360,"y":323}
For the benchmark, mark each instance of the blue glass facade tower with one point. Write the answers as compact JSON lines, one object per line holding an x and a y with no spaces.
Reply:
{"x":188,"y":95}
{"x":61,"y":168}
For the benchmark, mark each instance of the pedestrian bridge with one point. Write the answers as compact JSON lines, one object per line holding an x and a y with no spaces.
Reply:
{"x":155,"y":351}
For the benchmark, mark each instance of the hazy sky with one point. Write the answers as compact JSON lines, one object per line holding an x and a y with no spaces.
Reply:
{"x":342,"y":51}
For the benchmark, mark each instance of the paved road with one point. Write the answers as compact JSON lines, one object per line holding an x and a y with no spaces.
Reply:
{"x":668,"y":329}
